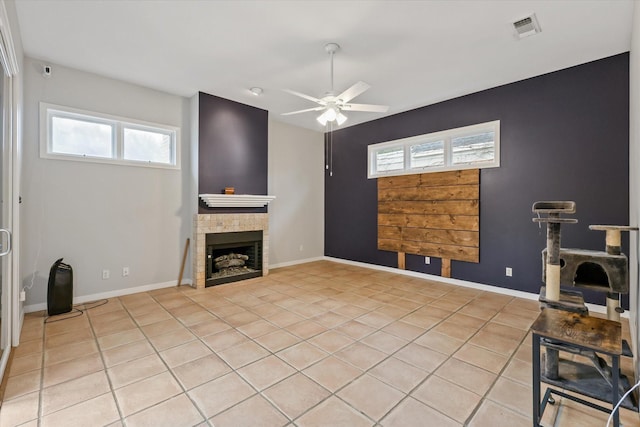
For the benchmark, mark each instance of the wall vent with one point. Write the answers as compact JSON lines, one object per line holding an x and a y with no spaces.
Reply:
{"x":526,"y":27}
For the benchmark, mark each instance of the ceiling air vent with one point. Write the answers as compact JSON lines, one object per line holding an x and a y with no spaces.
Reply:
{"x":527,"y":26}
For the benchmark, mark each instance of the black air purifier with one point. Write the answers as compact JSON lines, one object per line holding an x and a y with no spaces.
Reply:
{"x":60,"y":292}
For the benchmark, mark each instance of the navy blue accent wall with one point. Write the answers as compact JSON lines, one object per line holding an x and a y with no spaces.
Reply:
{"x":564,"y":136}
{"x":233,"y":142}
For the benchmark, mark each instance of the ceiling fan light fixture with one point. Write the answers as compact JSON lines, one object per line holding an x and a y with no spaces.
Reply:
{"x":322,"y":119}
{"x":331,"y":113}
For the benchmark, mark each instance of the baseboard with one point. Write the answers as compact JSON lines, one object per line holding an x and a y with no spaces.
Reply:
{"x":296,"y":262}
{"x":111,"y":294}
{"x":464,"y":283}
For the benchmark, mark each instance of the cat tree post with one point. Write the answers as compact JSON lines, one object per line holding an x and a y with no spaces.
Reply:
{"x":552,"y":267}
{"x":613,"y":242}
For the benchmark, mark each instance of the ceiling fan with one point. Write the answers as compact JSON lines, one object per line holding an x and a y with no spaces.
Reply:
{"x":332,"y":105}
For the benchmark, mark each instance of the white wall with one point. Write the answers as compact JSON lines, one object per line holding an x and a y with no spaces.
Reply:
{"x":296,"y":178}
{"x":634,"y":183}
{"x":194,"y":122}
{"x":11,"y":298}
{"x":100,"y":216}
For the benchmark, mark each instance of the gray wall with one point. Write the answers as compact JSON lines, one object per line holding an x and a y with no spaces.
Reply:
{"x":564,"y":136}
{"x":100,"y":216}
{"x":296,"y":178}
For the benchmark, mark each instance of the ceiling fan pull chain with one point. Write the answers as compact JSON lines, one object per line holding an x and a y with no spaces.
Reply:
{"x":326,"y":151}
{"x":330,"y":148}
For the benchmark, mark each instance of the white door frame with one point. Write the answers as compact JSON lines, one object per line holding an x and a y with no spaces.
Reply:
{"x":12,"y":106}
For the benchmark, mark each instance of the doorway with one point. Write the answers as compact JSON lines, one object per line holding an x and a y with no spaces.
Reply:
{"x":9,"y":172}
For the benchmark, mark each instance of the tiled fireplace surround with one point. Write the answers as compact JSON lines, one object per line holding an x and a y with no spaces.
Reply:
{"x":226,"y":223}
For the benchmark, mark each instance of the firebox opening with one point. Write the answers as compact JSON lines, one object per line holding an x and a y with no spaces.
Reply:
{"x":233,"y":256}
{"x":590,"y":273}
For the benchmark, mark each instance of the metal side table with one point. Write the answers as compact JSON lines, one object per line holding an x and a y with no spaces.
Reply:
{"x":581,"y":331}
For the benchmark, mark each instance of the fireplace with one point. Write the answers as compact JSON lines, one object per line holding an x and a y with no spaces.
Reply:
{"x":233,"y":256}
{"x":222,"y":229}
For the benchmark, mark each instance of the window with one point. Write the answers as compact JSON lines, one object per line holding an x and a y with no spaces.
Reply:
{"x":427,"y":154}
{"x":470,"y":147}
{"x":476,"y":148}
{"x":71,"y":134}
{"x":147,"y":145}
{"x":75,"y":136}
{"x":390,"y":159}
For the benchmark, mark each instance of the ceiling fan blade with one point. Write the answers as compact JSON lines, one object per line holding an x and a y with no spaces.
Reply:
{"x":309,"y":97}
{"x":353,"y":91}
{"x":302,"y":111}
{"x":365,"y":107}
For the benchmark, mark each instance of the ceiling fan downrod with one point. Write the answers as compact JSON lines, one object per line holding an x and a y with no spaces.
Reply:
{"x":331,"y":49}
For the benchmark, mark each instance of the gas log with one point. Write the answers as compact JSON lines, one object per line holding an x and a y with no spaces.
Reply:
{"x":230,"y":260}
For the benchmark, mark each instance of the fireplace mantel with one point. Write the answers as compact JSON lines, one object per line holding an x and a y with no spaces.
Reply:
{"x":236,"y":200}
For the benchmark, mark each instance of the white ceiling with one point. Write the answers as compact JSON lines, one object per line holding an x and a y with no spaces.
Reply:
{"x":413,"y":53}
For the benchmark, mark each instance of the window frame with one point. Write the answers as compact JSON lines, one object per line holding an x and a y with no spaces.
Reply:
{"x":446,"y":136}
{"x":118,"y":125}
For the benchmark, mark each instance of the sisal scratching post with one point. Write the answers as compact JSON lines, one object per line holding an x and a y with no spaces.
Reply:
{"x":614,"y":241}
{"x":552,"y":278}
{"x":613,"y":307}
{"x":613,"y":246}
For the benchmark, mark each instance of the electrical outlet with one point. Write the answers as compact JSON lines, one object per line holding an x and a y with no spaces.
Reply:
{"x":23,"y":295}
{"x":427,"y":260}
{"x":301,"y":248}
{"x":508,"y":272}
{"x":125,"y":271}
{"x":105,"y":274}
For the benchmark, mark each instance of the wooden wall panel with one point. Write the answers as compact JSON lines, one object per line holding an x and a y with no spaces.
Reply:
{"x":443,"y":222}
{"x":430,"y":207}
{"x":433,"y":214}
{"x":447,"y":237}
{"x":469,"y":176}
{"x":444,"y":192}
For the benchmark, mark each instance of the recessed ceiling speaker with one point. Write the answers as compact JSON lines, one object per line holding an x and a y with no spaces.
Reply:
{"x":526,"y":27}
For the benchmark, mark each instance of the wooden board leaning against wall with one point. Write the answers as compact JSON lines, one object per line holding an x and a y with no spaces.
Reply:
{"x":432,"y":214}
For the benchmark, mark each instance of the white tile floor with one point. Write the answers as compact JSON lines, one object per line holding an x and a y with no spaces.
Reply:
{"x":320,"y":344}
